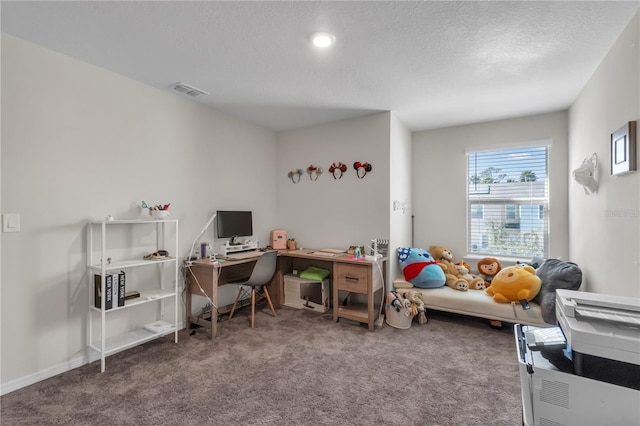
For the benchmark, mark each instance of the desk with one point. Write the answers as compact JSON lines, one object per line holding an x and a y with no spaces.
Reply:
{"x":347,"y":275}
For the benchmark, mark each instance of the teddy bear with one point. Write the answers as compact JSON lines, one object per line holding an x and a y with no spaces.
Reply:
{"x":515,"y":284}
{"x":463,"y":269}
{"x":419,"y":268}
{"x":454,"y":279}
{"x":488,"y":267}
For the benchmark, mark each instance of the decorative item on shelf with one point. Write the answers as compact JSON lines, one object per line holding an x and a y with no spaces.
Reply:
{"x":337,"y":170}
{"x":361,"y":169}
{"x":585,"y":174}
{"x":158,"y":255}
{"x":292,"y":244}
{"x":294,"y":175}
{"x":314,"y":172}
{"x":623,"y":149}
{"x":159,"y":211}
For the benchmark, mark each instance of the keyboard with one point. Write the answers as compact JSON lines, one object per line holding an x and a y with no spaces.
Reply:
{"x":244,"y":255}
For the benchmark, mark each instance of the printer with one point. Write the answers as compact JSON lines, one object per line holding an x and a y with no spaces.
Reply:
{"x":586,"y":370}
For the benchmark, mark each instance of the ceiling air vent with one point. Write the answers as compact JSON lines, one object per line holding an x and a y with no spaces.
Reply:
{"x":189,"y":90}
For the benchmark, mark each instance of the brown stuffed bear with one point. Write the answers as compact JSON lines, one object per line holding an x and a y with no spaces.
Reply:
{"x":454,"y":279}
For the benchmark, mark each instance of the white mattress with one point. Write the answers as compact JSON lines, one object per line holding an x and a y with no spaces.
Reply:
{"x":475,"y":303}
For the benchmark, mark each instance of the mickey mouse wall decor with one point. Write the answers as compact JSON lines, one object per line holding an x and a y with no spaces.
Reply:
{"x":294,"y":175}
{"x":361,"y":169}
{"x":314,"y":172}
{"x":337,"y":170}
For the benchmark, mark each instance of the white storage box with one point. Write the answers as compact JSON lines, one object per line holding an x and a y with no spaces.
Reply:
{"x":397,"y":319}
{"x":301,"y":293}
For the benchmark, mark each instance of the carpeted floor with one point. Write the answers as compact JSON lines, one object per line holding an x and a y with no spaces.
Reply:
{"x":299,"y":368}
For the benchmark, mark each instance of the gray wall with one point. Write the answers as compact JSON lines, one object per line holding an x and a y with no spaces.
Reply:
{"x":80,"y":143}
{"x":440,"y":176}
{"x":605,"y":227}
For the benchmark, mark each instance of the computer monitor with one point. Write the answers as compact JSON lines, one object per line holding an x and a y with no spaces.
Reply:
{"x":234,"y":224}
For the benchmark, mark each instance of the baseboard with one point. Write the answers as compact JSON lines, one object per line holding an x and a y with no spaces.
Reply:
{"x":47,"y":373}
{"x":30,"y":379}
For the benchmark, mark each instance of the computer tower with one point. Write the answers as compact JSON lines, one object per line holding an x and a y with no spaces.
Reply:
{"x":301,"y":293}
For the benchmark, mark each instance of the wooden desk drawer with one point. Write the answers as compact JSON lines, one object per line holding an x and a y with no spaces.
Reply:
{"x":351,"y":278}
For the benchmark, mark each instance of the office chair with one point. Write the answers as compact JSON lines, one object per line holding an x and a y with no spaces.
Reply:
{"x":262,"y":273}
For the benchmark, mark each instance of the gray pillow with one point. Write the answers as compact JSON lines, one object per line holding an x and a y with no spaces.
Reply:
{"x":555,"y":274}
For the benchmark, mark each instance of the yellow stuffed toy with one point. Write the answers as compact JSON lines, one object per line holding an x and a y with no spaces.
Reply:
{"x":515,"y":284}
{"x":454,"y":278}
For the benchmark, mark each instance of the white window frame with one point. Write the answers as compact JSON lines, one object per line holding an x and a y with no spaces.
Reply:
{"x":530,"y":227}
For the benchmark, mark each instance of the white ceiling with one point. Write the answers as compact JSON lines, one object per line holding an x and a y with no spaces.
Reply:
{"x":434,"y":64}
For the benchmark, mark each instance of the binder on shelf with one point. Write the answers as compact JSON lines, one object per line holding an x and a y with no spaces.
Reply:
{"x":108,"y":289}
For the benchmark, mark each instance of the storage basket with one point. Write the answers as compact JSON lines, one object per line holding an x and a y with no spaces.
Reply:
{"x":397,"y":319}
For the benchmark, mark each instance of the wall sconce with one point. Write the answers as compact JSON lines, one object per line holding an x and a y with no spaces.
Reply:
{"x":585,"y":175}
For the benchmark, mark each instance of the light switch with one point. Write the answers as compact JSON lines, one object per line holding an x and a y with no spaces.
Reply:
{"x":11,"y":222}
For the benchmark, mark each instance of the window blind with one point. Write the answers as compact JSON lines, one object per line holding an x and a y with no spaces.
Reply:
{"x":508,"y":202}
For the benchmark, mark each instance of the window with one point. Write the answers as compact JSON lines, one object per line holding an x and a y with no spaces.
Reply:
{"x":477,"y":211}
{"x":508,"y":199}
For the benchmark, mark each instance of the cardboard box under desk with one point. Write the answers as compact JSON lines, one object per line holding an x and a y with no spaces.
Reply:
{"x":301,"y":293}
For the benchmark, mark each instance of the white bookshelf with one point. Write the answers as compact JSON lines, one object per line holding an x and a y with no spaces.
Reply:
{"x":161,"y":291}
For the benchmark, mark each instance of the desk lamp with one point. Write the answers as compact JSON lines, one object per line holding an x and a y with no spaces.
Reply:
{"x":204,"y":228}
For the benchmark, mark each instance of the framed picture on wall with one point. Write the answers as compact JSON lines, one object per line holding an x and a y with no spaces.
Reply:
{"x":623,"y":149}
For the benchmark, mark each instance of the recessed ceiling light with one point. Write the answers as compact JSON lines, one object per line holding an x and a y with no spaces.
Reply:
{"x":323,"y":39}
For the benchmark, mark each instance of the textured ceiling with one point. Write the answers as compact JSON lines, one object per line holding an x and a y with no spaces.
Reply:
{"x":434,"y":64}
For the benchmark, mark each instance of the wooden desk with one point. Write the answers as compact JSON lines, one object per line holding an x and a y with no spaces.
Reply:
{"x":204,"y":277}
{"x":347,"y":275}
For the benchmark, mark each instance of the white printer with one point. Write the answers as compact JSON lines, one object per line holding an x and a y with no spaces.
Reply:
{"x":593,"y":376}
{"x":598,"y":324}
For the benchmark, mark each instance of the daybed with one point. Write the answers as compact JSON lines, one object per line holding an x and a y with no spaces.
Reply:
{"x":474,"y":303}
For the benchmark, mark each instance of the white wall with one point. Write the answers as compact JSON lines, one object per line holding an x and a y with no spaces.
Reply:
{"x":605,"y":227}
{"x":401,"y":184}
{"x":80,"y":143}
{"x":440,"y":176}
{"x":332,"y":212}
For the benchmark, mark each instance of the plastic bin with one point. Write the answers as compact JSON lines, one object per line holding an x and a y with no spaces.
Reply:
{"x":397,"y":319}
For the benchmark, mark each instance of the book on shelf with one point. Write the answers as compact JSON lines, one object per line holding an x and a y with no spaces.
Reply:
{"x":121,"y":288}
{"x":108,"y":289}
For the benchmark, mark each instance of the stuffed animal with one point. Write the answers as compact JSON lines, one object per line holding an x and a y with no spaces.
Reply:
{"x":455,"y":280}
{"x":463,"y":269}
{"x":419,"y":268}
{"x":417,"y":305}
{"x":393,"y":300}
{"x":488,"y":267}
{"x":555,"y":274}
{"x":515,"y":284}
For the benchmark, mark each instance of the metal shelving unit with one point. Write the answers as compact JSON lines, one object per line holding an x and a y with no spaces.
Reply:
{"x":162,"y":292}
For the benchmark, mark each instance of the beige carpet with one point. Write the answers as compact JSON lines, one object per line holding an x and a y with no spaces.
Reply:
{"x":300,"y":368}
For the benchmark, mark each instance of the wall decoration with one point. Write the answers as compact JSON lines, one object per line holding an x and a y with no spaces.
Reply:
{"x":294,"y":175}
{"x":337,"y":170}
{"x":585,"y":174}
{"x":623,"y":149}
{"x":361,"y":169}
{"x":314,"y":172}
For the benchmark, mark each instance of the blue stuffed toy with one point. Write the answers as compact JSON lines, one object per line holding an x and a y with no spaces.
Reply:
{"x":420,"y":269}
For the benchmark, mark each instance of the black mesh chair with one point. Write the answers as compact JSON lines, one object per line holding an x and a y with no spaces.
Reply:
{"x":262,"y":273}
